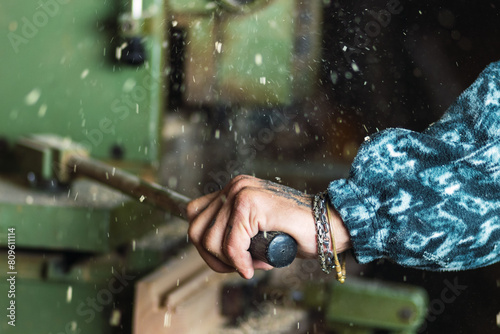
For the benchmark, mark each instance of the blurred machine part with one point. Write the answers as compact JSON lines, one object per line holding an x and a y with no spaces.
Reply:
{"x":62,"y":76}
{"x":102,"y":73}
{"x":184,"y":296}
{"x":244,"y":53}
{"x":366,"y":306}
{"x":70,"y":69}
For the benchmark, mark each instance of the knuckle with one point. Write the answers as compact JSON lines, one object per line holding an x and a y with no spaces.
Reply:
{"x":211,"y":244}
{"x":240,"y":182}
{"x":206,"y":244}
{"x":243,"y":200}
{"x":232,"y":252}
{"x":191,"y":210}
{"x":242,"y":211}
{"x":241,"y":177}
{"x":193,"y":234}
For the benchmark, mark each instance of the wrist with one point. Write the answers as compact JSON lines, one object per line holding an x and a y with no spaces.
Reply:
{"x":331,"y":236}
{"x":341,"y":234}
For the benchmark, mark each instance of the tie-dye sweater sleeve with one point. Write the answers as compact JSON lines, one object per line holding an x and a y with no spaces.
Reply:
{"x":430,"y":200}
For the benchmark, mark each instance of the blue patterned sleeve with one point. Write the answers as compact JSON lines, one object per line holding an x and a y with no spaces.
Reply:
{"x":430,"y":200}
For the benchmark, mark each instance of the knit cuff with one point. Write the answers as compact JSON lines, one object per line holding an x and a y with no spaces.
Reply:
{"x":359,"y":218}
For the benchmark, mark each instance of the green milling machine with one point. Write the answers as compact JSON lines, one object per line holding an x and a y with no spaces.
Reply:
{"x":100,"y":74}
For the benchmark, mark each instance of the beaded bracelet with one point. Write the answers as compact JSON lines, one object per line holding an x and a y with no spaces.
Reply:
{"x":327,"y":251}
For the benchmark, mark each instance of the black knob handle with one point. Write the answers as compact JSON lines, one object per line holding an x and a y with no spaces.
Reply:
{"x":275,"y":248}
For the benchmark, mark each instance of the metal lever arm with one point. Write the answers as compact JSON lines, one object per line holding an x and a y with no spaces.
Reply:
{"x":275,"y":248}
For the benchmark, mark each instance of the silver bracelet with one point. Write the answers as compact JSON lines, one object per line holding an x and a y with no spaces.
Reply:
{"x":325,"y":254}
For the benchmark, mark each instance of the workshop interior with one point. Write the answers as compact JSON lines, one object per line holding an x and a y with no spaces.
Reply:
{"x":185,"y":95}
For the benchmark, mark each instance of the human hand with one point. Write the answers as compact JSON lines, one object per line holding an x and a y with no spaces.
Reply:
{"x":222,"y":223}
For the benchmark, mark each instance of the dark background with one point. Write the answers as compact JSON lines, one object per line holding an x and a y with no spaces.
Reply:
{"x":414,"y":68}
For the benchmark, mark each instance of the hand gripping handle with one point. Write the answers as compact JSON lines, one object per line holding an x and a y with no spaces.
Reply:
{"x":275,"y":248}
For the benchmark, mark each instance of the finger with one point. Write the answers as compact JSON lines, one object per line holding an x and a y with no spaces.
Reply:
{"x":196,"y":206}
{"x":236,"y":245}
{"x":261,"y":265}
{"x":204,"y":219}
{"x":215,"y":232}
{"x":213,"y":262}
{"x":197,"y":234}
{"x":241,"y":227}
{"x":213,"y":240}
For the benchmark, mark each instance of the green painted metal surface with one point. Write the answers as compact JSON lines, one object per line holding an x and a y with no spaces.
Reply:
{"x":43,"y":307}
{"x":256,"y":55}
{"x":377,"y":305}
{"x":191,"y":6}
{"x":45,"y":296}
{"x":87,"y":218}
{"x":361,"y":306}
{"x":58,"y":75}
{"x":261,"y":54}
{"x":57,"y":293}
